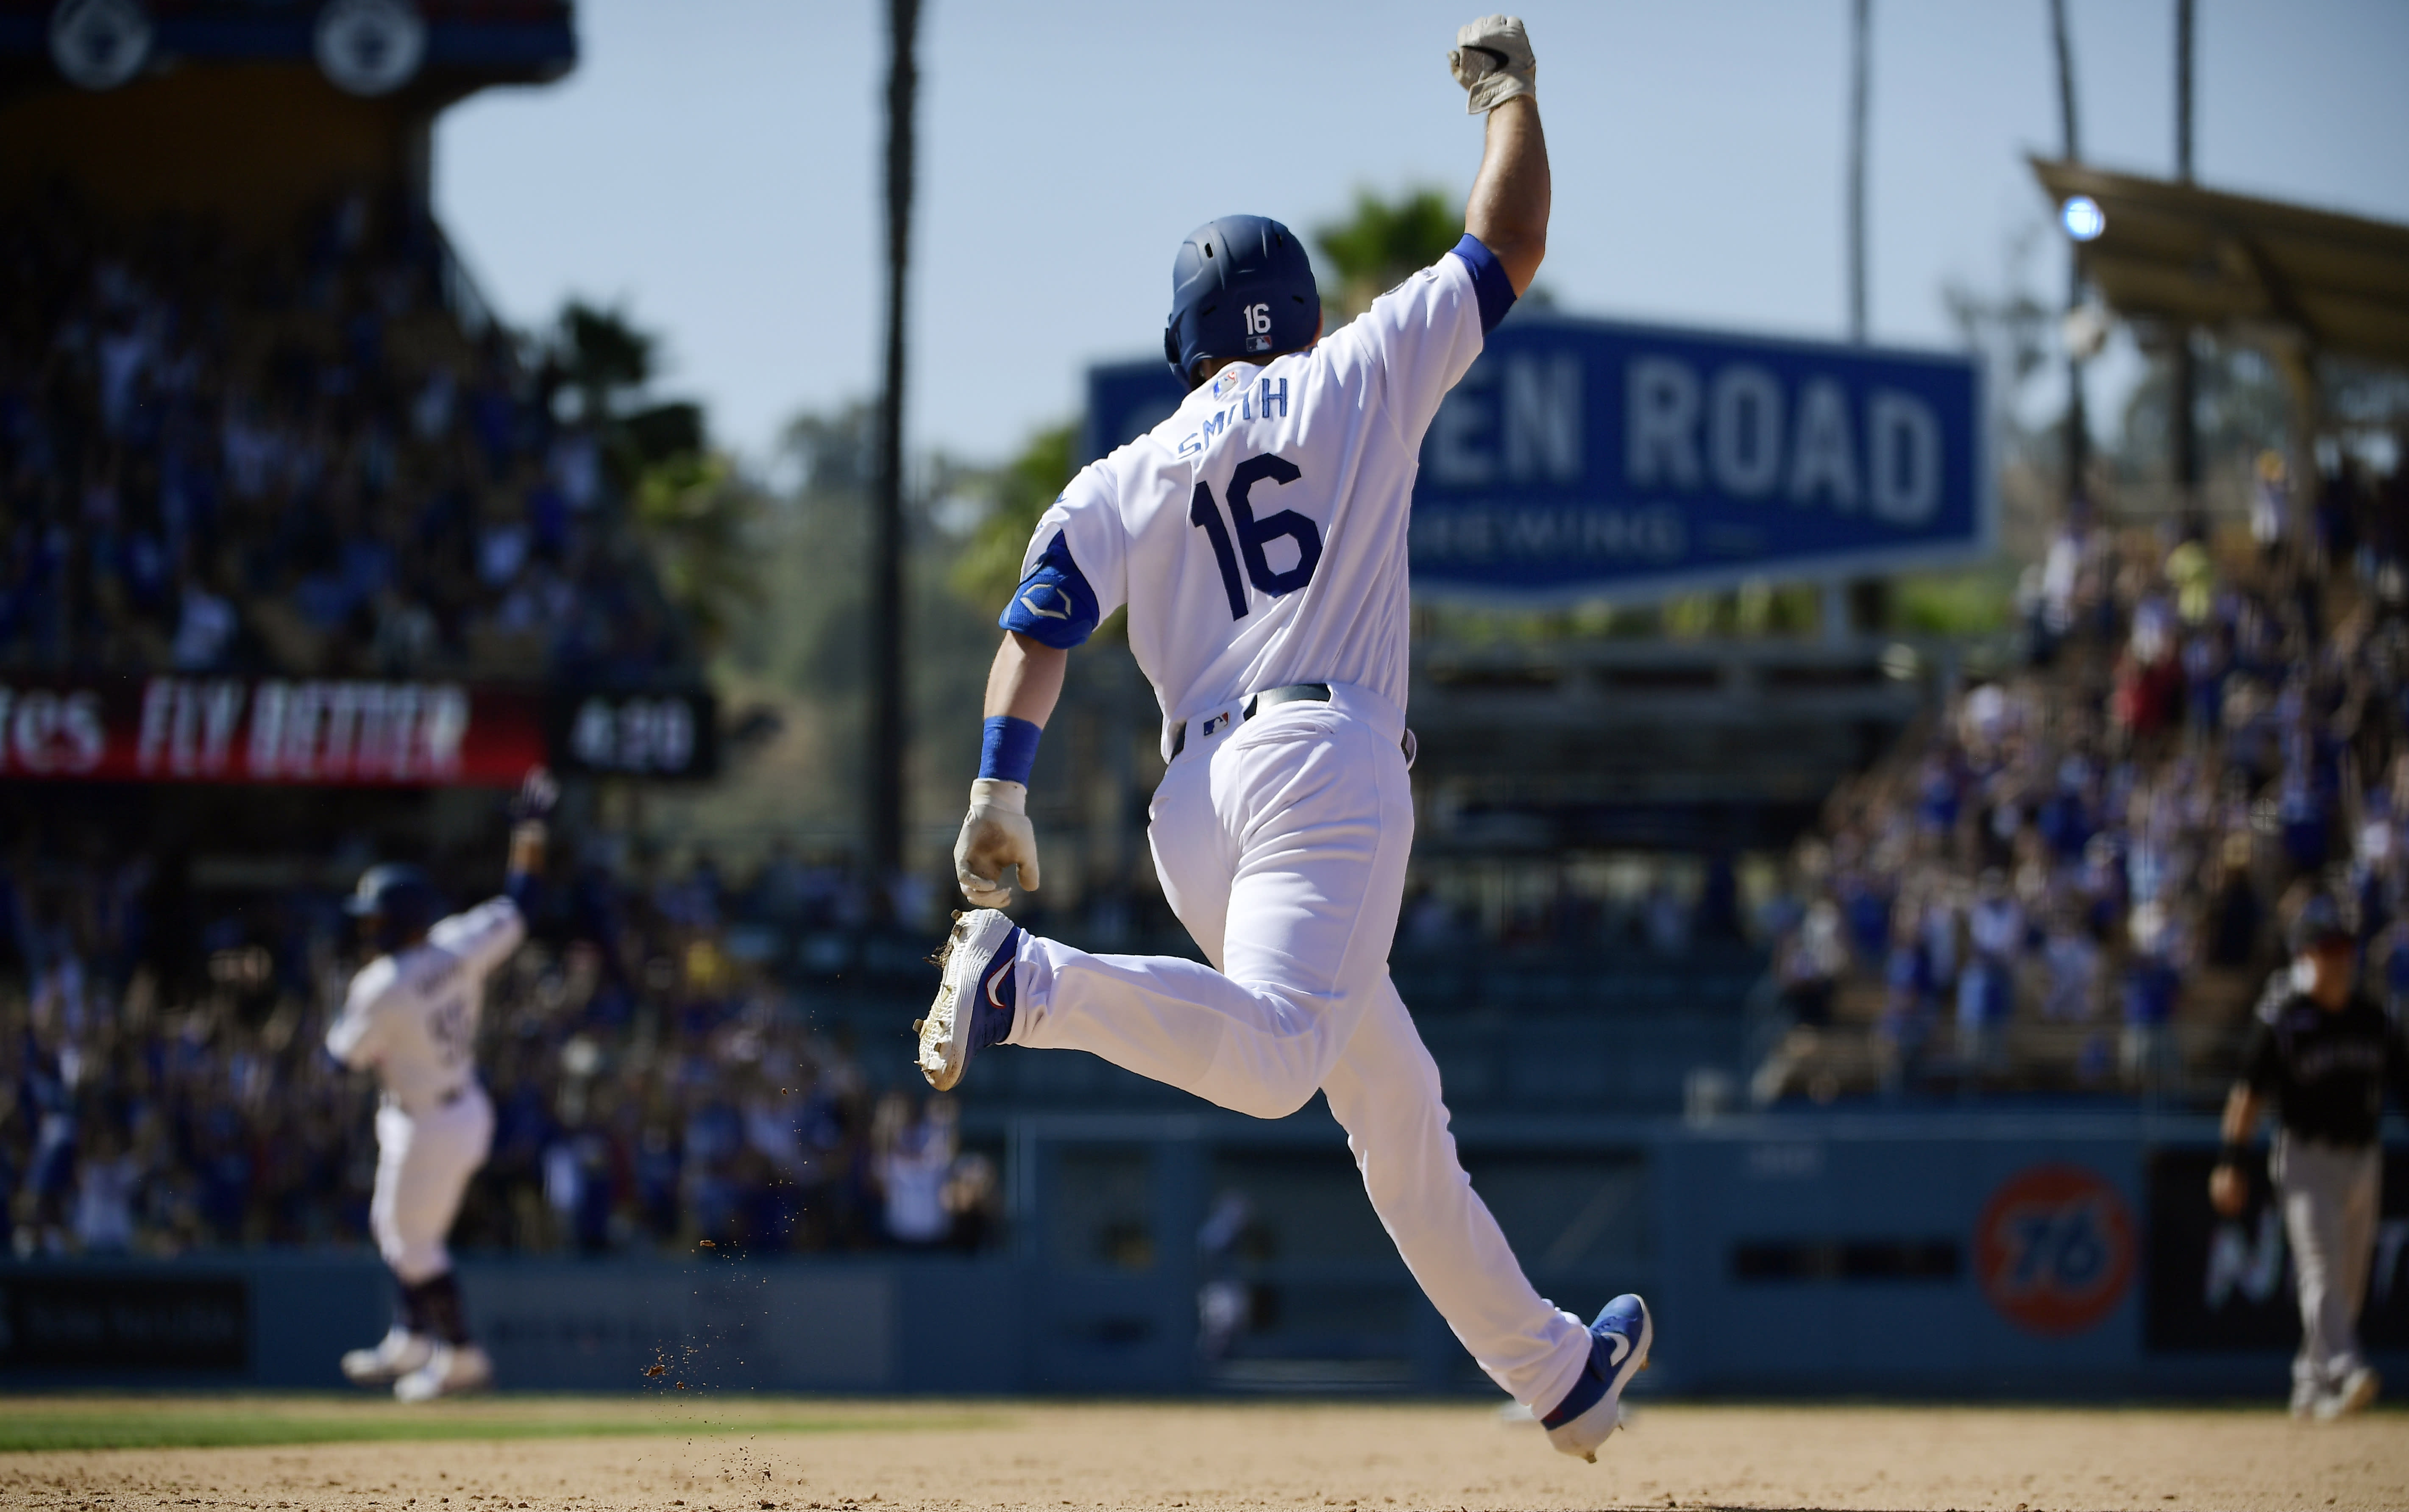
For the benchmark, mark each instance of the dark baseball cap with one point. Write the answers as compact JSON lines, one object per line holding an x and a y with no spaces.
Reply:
{"x":2318,"y":922}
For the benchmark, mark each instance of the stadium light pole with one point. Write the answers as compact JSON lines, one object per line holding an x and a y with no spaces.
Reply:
{"x":1847,"y":607}
{"x":2183,"y":403}
{"x":887,"y":661}
{"x":1860,"y":84}
{"x":2078,"y":424}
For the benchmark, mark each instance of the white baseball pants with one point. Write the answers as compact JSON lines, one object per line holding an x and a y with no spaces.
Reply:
{"x":423,"y":1163}
{"x":1281,"y":843}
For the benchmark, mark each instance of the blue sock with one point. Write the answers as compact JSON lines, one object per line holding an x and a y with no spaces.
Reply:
{"x":1000,"y":992}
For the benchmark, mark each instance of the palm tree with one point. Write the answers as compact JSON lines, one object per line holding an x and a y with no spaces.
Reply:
{"x":1386,"y":242}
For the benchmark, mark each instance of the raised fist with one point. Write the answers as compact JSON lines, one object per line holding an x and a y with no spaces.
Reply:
{"x":1491,"y":60}
{"x":536,"y":795}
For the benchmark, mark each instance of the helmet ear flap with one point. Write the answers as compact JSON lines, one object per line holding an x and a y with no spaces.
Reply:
{"x":1171,"y":356}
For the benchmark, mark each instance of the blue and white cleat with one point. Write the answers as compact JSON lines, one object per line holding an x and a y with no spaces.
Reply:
{"x":1619,"y":1342}
{"x":976,"y":1000}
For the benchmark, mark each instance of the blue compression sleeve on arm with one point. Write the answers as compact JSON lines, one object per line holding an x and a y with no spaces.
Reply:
{"x":1009,"y":750}
{"x":1489,"y":284}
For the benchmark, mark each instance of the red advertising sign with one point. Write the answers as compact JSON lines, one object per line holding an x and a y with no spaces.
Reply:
{"x":339,"y":732}
{"x":2055,"y":1248}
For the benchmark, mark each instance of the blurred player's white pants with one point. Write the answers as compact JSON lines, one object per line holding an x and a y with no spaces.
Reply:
{"x":423,"y":1163}
{"x":1281,"y":844}
{"x":2331,"y":1195}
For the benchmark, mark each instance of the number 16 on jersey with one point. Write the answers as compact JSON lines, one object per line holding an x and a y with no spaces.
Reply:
{"x":1252,"y":535}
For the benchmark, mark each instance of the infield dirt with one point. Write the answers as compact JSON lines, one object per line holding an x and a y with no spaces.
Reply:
{"x":730,"y":1456}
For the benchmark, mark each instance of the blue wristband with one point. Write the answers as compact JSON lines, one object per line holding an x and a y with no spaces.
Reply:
{"x":1009,"y":750}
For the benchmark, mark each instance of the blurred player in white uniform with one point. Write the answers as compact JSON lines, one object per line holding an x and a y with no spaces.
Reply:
{"x":1257,"y":539}
{"x":410,"y":1016}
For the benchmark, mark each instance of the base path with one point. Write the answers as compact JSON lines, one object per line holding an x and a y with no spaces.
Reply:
{"x":709,"y":1454}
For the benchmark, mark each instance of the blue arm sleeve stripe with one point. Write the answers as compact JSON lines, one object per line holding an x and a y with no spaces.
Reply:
{"x":1053,"y":606}
{"x":1489,"y":284}
{"x":1009,"y":749}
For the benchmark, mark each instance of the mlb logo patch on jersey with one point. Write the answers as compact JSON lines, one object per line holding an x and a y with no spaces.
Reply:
{"x":1230,"y":378}
{"x":1214,"y":725}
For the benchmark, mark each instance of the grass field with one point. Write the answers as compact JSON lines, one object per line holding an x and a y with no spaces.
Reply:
{"x":77,"y":1422}
{"x":721,"y":1454}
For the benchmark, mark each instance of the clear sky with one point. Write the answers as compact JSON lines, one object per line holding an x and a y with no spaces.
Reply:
{"x":715,"y":165}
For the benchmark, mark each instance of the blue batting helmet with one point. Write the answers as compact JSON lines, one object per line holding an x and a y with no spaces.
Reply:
{"x":1241,"y":286}
{"x":400,"y":898}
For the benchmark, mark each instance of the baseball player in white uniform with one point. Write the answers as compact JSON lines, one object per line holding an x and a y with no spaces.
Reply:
{"x":411,"y":1015}
{"x":1258,"y":539}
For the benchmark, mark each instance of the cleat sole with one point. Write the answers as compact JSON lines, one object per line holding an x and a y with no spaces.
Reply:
{"x":941,"y":1060}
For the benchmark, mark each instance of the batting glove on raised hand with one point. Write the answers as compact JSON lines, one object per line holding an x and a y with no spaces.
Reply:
{"x":536,"y":794}
{"x":996,"y":834}
{"x":1491,"y":59}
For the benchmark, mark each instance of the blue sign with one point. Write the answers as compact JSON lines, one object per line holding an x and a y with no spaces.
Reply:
{"x":1125,"y":400}
{"x":1588,"y":459}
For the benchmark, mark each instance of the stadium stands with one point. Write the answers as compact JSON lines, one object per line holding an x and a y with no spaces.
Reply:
{"x":293,"y":460}
{"x":310,"y":458}
{"x":2072,"y":880}
{"x":675,"y":1057}
{"x":316,"y":458}
{"x":313,"y":454}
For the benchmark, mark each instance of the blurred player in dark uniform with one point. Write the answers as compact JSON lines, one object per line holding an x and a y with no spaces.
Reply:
{"x":2323,"y":1053}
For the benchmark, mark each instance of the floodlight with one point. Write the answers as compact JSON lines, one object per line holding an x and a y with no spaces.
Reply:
{"x":2082,"y":218}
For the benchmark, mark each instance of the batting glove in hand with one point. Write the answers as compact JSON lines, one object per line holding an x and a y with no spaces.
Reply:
{"x":1491,"y":59}
{"x":996,"y":834}
{"x":536,"y":795}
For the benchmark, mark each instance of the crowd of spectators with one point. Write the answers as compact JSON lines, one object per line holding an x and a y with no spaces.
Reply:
{"x":314,"y":457}
{"x":215,"y":459}
{"x":2099,"y":844}
{"x":294,"y":458}
{"x":657,"y":1082}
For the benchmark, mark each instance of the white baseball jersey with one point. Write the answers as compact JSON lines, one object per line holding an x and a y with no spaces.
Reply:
{"x":413,"y":1015}
{"x":1258,"y":536}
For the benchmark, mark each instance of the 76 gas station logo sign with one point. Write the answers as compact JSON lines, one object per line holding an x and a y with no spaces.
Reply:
{"x":2055,"y":1248}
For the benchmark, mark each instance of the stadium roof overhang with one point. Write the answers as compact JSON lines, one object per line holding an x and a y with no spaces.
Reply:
{"x":430,"y":51}
{"x":2292,"y":280}
{"x":249,"y":111}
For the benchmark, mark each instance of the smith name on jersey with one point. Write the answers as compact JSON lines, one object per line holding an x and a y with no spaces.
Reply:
{"x":1264,"y":523}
